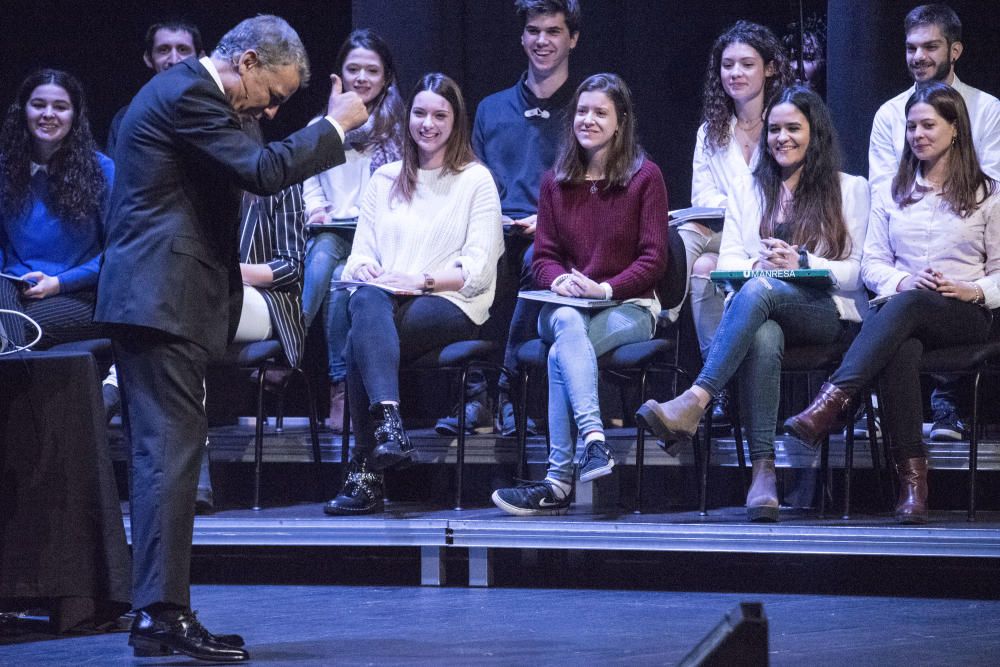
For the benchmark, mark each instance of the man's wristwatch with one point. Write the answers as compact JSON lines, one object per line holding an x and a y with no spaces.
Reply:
{"x":428,"y":284}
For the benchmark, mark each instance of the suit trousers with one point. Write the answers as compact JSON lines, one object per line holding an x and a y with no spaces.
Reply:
{"x":161,"y":378}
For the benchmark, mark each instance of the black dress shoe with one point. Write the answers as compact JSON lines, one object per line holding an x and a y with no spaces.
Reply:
{"x":362,"y":493}
{"x":178,"y":631}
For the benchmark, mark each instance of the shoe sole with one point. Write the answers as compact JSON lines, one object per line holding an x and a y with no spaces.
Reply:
{"x":384,"y":461}
{"x":597,"y":473}
{"x":911,"y":519}
{"x":945,"y":435}
{"x":647,"y":416}
{"x":762,"y":514}
{"x":521,"y":511}
{"x":344,"y":511}
{"x":143,"y":647}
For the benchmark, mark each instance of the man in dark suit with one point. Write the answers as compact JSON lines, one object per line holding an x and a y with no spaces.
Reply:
{"x":170,"y":285}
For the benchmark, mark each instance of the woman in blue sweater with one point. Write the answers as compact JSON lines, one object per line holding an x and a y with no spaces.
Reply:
{"x":54,"y":188}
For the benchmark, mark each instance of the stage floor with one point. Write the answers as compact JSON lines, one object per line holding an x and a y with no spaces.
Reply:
{"x":351,"y":625}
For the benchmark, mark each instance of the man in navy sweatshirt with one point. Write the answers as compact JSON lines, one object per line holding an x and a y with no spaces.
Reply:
{"x":516,"y":134}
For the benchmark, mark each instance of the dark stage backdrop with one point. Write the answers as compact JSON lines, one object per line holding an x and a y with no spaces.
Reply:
{"x":660,"y":47}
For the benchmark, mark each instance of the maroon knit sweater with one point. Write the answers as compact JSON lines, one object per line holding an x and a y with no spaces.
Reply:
{"x":618,"y":236}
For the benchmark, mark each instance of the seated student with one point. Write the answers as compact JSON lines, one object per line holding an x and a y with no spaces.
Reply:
{"x":430,"y":225}
{"x":602,"y":233}
{"x":798,"y":212}
{"x":365,"y":66}
{"x":747,"y":68}
{"x":934,"y":246}
{"x":54,"y":189}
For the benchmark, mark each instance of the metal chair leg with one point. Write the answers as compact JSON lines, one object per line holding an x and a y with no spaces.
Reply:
{"x":460,"y":456}
{"x":848,"y":469}
{"x":974,"y":446}
{"x":258,"y":448}
{"x":706,"y":456}
{"x":521,"y":421}
{"x":640,"y":445}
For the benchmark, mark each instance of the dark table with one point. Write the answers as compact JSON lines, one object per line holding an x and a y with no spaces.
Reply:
{"x":62,"y":542}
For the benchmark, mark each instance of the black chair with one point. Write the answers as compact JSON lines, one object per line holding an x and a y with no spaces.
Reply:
{"x":454,"y":359}
{"x":973,"y":361}
{"x":99,"y":348}
{"x":261,"y":357}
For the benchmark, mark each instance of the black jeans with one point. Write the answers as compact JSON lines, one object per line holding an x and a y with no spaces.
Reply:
{"x":386,"y":331}
{"x":891,"y":343}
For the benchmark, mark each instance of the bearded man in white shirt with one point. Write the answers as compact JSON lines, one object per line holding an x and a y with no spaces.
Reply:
{"x":933,"y":46}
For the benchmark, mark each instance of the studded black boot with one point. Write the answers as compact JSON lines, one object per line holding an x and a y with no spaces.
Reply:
{"x":392,"y":444}
{"x":363,"y":493}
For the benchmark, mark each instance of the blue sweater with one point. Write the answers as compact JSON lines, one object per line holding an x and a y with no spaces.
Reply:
{"x":519,"y":150}
{"x":39,"y":241}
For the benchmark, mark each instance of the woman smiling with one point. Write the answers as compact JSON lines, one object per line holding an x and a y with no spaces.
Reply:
{"x":934,"y":246}
{"x":798,"y":212}
{"x":429,"y":227}
{"x":54,"y":187}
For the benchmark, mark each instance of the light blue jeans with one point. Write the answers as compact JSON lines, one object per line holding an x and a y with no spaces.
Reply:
{"x":759,"y":319}
{"x":577,"y":338}
{"x":326,"y":255}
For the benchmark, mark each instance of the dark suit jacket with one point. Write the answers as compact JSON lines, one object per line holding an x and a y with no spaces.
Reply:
{"x":171,"y":258}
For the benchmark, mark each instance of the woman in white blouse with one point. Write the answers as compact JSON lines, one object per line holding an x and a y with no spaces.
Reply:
{"x":429,"y":227}
{"x":746,"y":69}
{"x":933,"y":246}
{"x":365,"y":65}
{"x":798,"y":212}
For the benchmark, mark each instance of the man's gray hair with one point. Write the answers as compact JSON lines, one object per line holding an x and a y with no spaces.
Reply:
{"x":276,"y":43}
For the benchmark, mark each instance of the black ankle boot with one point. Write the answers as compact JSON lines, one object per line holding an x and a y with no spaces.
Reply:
{"x":363,"y":492}
{"x":392,"y":444}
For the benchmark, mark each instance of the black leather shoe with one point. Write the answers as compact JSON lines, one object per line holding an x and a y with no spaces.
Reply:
{"x":178,"y":631}
{"x":362,"y":493}
{"x":393,"y":445}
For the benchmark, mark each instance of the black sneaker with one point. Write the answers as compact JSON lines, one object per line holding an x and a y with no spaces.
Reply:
{"x":507,"y":421}
{"x":363,"y":493}
{"x":393,"y":446}
{"x":949,"y":429}
{"x":530,"y":499}
{"x":597,"y":461}
{"x":478,"y":419}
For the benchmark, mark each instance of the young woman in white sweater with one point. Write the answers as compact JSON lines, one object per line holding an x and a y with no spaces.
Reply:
{"x":429,"y":225}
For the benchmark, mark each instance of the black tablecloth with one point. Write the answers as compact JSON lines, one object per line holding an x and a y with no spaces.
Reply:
{"x":62,"y":543}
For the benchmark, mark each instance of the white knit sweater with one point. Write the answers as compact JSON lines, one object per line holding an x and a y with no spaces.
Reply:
{"x":453,"y":220}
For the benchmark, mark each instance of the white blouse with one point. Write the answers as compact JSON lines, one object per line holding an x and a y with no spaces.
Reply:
{"x":452,"y":221}
{"x":339,"y":189}
{"x":715,"y":173}
{"x":925,"y":234}
{"x":741,"y":241}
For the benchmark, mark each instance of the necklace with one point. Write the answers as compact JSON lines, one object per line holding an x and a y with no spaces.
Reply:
{"x":593,"y":183}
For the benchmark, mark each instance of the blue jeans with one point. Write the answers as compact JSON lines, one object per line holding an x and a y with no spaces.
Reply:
{"x":757,"y":322}
{"x":577,"y":338}
{"x":386,"y":331}
{"x":326,"y":255}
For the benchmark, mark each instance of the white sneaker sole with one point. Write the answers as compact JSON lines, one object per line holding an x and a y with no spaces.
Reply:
{"x":597,"y":473}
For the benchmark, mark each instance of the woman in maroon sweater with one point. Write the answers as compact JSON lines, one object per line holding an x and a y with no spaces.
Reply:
{"x":602,"y":232}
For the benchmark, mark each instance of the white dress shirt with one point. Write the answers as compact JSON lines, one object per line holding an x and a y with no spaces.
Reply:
{"x":889,"y":133}
{"x":715,"y":173}
{"x":902,"y":242}
{"x":741,"y":241}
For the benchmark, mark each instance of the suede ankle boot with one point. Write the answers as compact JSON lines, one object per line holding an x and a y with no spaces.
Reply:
{"x":675,"y":420}
{"x":392,"y":444}
{"x":911,"y":506}
{"x":830,"y":411}
{"x":762,"y":498}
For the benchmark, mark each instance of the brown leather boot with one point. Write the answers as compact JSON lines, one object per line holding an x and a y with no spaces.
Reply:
{"x":335,"y":422}
{"x":911,"y":506}
{"x":675,"y":420}
{"x":830,"y":411}
{"x":762,"y":498}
